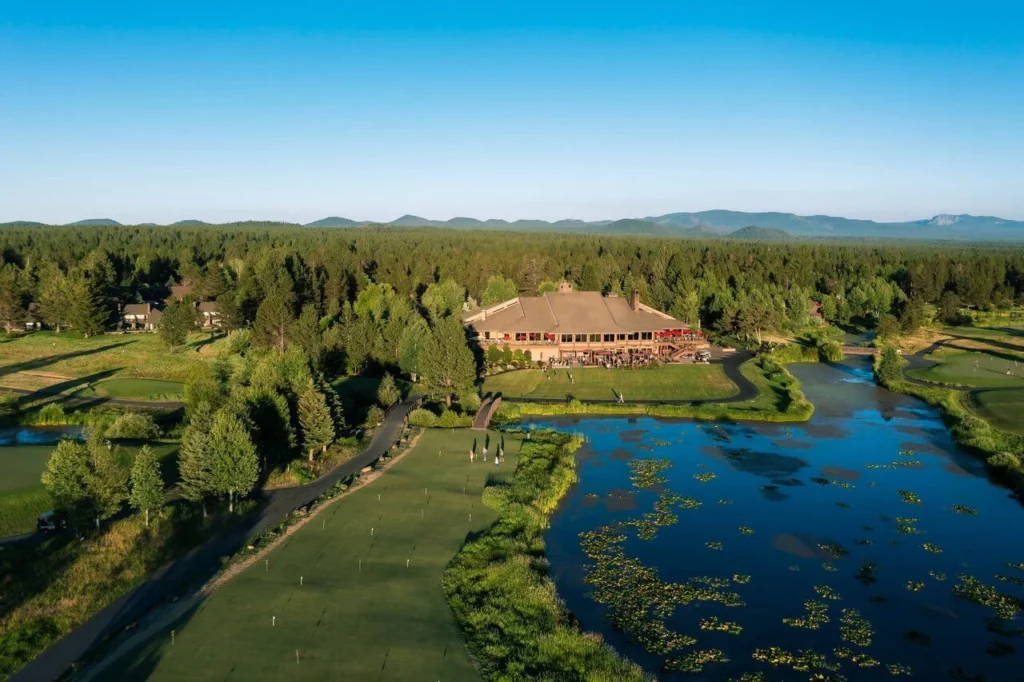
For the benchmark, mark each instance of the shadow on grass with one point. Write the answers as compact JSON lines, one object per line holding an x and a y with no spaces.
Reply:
{"x":40,"y":363}
{"x":64,"y":391}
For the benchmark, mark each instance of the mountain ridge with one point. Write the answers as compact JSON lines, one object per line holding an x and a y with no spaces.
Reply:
{"x":703,"y":224}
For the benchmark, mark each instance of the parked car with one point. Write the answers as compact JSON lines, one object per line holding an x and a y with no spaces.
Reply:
{"x":51,"y":522}
{"x":702,"y":356}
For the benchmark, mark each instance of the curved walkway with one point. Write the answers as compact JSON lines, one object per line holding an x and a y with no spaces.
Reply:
{"x":730,"y":363}
{"x":183,"y":578}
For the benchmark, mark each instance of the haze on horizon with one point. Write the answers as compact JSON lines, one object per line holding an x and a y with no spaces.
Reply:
{"x":258,"y":110}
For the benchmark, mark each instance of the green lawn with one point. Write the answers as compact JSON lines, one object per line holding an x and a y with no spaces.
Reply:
{"x":1004,"y":409}
{"x":383,"y":622}
{"x":974,"y":368}
{"x":22,"y":496}
{"x":40,"y":359}
{"x":138,"y":389}
{"x":668,"y":382}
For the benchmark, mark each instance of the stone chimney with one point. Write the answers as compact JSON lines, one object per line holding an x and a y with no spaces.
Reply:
{"x":634,"y":302}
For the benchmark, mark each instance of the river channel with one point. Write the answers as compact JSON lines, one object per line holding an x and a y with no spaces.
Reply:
{"x":867,"y":528}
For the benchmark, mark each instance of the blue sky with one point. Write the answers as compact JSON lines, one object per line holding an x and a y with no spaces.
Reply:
{"x":164,"y":111}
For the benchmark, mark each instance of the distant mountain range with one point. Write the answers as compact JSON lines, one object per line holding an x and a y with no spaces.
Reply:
{"x":702,"y":224}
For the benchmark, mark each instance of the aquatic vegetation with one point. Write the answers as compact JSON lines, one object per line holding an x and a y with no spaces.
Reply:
{"x":647,"y":472}
{"x":938,"y":576}
{"x":749,"y":677}
{"x":828,"y":566}
{"x":835,"y":549}
{"x":826,"y":592}
{"x":906,"y":519}
{"x":1011,"y":579}
{"x":909,"y":497}
{"x":962,"y":509}
{"x":804,"y":660}
{"x":858,"y":658}
{"x":929,"y":547}
{"x":1006,"y":606}
{"x":689,"y":503}
{"x":915,"y":585}
{"x":659,"y":442}
{"x":820,"y":480}
{"x":746,"y":530}
{"x":725,"y":502}
{"x":695,"y":661}
{"x":897,"y":669}
{"x":591,"y":496}
{"x":906,"y":529}
{"x":705,"y":476}
{"x":713,"y":545}
{"x":794,"y":567}
{"x":854,"y":628}
{"x":895,"y":464}
{"x":907,"y":453}
{"x":713,"y":623}
{"x":863,"y":541}
{"x":647,"y":526}
{"x":816,"y":615}
{"x":842,"y":484}
{"x":1018,"y":566}
{"x":740,"y":578}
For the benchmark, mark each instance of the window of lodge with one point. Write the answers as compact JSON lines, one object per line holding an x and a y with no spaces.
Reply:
{"x":608,"y":338}
{"x":581,"y":338}
{"x":566,"y":338}
{"x":595,"y":338}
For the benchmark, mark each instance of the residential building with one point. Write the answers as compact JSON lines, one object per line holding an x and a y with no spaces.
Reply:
{"x":141,"y":316}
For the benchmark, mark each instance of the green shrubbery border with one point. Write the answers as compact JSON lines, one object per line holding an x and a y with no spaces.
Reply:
{"x":499,"y":592}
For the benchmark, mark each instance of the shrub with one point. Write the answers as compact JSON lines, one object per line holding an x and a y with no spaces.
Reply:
{"x":422,"y":417}
{"x":469,"y":402}
{"x":500,"y":595}
{"x":451,"y":420}
{"x":50,"y":414}
{"x":133,"y":426}
{"x":507,"y":413}
{"x":374,"y":416}
{"x":830,"y":351}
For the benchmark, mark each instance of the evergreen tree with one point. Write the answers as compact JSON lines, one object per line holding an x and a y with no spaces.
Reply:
{"x":387,"y":392}
{"x":229,"y":315}
{"x":441,"y":299}
{"x":890,"y":366}
{"x":306,"y":334}
{"x":234,"y":466}
{"x":107,"y":482}
{"x":179,"y":319}
{"x":274,"y":318}
{"x":13,"y":288}
{"x":447,"y":362}
{"x":54,"y":298}
{"x":315,"y":421}
{"x":147,"y":484}
{"x":65,"y":476}
{"x":88,"y":312}
{"x":333,"y":403}
{"x":195,"y":460}
{"x":410,"y":346}
{"x":887,"y":326}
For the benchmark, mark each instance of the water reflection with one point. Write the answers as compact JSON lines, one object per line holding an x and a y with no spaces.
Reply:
{"x":39,"y":435}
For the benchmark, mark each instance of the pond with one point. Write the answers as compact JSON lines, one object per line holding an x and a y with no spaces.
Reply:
{"x":885,"y":547}
{"x":38,"y":435}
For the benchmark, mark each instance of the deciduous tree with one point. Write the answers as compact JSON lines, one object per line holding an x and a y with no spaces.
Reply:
{"x":315,"y":421}
{"x":447,"y":363}
{"x":234,"y":466}
{"x":147,"y":493}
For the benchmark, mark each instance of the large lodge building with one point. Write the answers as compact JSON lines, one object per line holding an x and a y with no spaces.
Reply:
{"x":584,"y":326}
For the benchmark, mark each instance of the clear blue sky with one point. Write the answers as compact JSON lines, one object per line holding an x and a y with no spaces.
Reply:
{"x":159,"y":111}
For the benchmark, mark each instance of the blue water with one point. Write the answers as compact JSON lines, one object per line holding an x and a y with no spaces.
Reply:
{"x":39,"y":435}
{"x":855,"y":424}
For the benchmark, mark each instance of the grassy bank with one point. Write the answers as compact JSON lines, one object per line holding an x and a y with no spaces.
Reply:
{"x":665,"y":382}
{"x":499,"y":592}
{"x":779,"y":399}
{"x":1001,"y":450}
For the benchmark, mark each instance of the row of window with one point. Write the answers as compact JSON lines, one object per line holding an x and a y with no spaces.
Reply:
{"x":580,"y":338}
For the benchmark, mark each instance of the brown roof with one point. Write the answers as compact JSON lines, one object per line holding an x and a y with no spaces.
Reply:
{"x":574,"y":312}
{"x":181,"y":291}
{"x":136,"y":309}
{"x":155,"y":315}
{"x":208,"y":307}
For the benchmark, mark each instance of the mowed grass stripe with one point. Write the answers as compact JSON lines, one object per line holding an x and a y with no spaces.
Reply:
{"x":387,"y":622}
{"x":667,"y":382}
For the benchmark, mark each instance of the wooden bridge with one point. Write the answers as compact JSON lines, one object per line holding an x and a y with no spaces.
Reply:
{"x":860,"y":350}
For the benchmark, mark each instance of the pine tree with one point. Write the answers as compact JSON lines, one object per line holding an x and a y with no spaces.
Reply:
{"x":194,"y":456}
{"x":54,"y":297}
{"x":306,"y":334}
{"x":65,"y":475}
{"x":333,"y":403}
{"x":234,"y":466}
{"x":147,"y":485}
{"x":274,"y":318}
{"x":12,"y":297}
{"x":179,"y":319}
{"x":229,"y":315}
{"x":107,"y":482}
{"x":447,"y":363}
{"x":387,"y":392}
{"x":88,"y":312}
{"x":315,"y":421}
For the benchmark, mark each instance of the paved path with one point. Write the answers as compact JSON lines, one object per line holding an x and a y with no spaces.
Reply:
{"x":182,"y":579}
{"x":71,"y":399}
